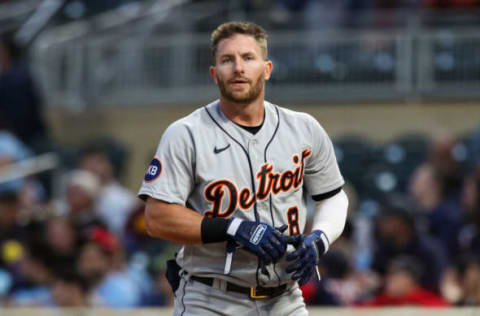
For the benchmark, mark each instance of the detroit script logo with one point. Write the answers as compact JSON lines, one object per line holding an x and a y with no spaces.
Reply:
{"x":269,"y":182}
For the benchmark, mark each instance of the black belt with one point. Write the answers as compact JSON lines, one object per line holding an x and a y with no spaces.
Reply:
{"x":252,"y":292}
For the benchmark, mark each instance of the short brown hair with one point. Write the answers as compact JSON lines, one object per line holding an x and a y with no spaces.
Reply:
{"x":227,"y":30}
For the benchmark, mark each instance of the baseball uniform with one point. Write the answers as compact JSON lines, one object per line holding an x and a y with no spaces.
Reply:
{"x":211,"y":165}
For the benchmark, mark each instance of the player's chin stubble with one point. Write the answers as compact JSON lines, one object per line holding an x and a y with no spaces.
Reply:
{"x":245,"y":98}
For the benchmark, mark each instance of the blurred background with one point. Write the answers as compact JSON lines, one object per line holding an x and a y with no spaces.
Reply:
{"x":88,"y":87}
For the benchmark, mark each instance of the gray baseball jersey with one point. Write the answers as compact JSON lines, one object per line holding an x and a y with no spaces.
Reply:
{"x":210,"y":164}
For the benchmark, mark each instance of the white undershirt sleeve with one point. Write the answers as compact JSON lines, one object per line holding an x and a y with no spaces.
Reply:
{"x":330,"y":216}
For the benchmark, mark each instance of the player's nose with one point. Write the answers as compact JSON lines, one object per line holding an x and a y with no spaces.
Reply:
{"x":238,"y":66}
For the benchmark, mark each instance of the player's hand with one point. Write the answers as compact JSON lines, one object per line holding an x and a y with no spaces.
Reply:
{"x":260,"y":239}
{"x":308,"y":249}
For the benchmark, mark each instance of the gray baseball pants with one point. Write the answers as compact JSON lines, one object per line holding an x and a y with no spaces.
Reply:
{"x":193,"y":298}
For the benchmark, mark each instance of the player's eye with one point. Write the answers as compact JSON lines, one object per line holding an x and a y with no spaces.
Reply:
{"x":249,"y":57}
{"x":225,"y":60}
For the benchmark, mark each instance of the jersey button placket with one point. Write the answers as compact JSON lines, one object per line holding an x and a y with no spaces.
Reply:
{"x":251,"y":152}
{"x":255,"y":154}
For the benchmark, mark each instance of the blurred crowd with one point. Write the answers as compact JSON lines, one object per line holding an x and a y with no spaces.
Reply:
{"x":70,"y":233}
{"x":75,"y":236}
{"x":411,"y":244}
{"x":85,"y":247}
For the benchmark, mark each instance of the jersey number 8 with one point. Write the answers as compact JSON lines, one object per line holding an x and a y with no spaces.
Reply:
{"x":292,"y":217}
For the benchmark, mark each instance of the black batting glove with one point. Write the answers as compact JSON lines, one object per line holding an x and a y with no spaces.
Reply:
{"x":260,"y":239}
{"x":308,"y":249}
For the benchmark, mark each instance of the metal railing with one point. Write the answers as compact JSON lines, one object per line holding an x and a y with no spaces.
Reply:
{"x":79,"y":67}
{"x":14,"y":13}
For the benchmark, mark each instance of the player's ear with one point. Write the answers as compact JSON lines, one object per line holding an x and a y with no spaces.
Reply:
{"x":212,"y":74}
{"x":268,"y":69}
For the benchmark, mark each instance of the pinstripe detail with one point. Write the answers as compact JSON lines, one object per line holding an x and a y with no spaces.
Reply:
{"x":183,"y":296}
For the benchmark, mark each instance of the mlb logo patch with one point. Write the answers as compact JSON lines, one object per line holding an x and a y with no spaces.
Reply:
{"x":154,"y":170}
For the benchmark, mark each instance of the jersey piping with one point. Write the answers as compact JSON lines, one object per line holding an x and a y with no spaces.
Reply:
{"x":252,"y":177}
{"x":265,"y":159}
{"x":194,"y":162}
{"x":270,"y":197}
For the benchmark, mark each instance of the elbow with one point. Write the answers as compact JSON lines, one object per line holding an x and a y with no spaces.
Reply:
{"x":152,"y":223}
{"x":149,"y":224}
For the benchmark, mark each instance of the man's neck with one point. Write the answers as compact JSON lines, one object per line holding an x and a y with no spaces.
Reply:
{"x":251,"y":114}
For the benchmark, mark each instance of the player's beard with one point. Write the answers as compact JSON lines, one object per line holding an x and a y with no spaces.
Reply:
{"x":249,"y":96}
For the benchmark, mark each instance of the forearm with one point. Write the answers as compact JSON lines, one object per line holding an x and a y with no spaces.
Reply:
{"x":330,"y":215}
{"x":173,"y":222}
{"x":184,"y":226}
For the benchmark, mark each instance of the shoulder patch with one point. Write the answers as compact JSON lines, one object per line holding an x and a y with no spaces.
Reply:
{"x":154,"y":170}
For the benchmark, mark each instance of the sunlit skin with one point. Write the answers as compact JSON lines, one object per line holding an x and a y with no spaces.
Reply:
{"x":240,"y":72}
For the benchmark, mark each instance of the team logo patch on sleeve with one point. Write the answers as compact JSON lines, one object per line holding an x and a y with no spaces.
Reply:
{"x":154,"y":170}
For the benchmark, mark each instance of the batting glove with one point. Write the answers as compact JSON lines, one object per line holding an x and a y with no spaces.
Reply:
{"x":258,"y":238}
{"x":308,"y":249}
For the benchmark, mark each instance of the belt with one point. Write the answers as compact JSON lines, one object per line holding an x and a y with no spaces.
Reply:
{"x":252,"y":292}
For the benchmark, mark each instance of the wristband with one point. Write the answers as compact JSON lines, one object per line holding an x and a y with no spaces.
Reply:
{"x":214,"y":229}
{"x":322,"y":242}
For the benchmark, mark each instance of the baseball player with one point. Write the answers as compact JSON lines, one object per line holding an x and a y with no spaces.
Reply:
{"x":229,"y":181}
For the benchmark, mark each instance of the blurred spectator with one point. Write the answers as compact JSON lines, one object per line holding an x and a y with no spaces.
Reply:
{"x":148,"y":256}
{"x":343,"y":282}
{"x":82,"y":189}
{"x":475,"y":143}
{"x":314,"y":292}
{"x":36,"y":277}
{"x":339,"y":284}
{"x":20,"y":104}
{"x":136,"y":238}
{"x":15,"y":177}
{"x":21,"y":111}
{"x":115,"y":203}
{"x":443,"y":160}
{"x":461,"y":285}
{"x":396,"y":235}
{"x":13,"y":216}
{"x":63,"y":241}
{"x":102,"y":264}
{"x":12,"y":150}
{"x":10,"y":227}
{"x":469,"y":237}
{"x":436,"y":186}
{"x":468,"y":273}
{"x":161,"y":293}
{"x":403,"y":287}
{"x":70,"y":290}
{"x":5,"y":285}
{"x":12,"y":232}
